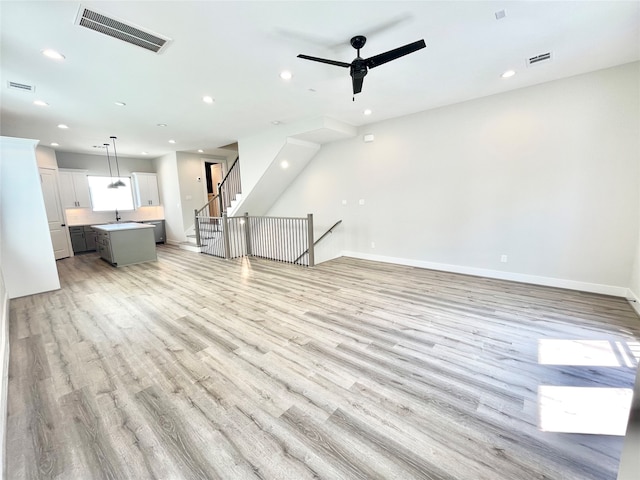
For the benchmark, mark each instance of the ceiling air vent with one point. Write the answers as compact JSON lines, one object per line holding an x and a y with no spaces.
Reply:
{"x":21,"y":86}
{"x":535,"y":60}
{"x":102,"y":23}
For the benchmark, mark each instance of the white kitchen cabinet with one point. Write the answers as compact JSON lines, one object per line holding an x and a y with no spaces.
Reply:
{"x":145,"y":189}
{"x":74,"y":189}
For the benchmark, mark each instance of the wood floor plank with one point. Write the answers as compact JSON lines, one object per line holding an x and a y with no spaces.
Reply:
{"x":195,"y":367}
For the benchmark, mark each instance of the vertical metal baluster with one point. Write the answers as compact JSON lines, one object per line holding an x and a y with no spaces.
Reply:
{"x":310,"y":240}
{"x":289,"y":247}
{"x":279,"y":239}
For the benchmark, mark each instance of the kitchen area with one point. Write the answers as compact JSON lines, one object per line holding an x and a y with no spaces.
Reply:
{"x":90,"y":204}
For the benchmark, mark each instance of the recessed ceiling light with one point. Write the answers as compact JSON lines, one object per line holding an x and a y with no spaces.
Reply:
{"x":162,"y":125}
{"x":286,"y":75}
{"x":54,"y":144}
{"x":40,"y":103}
{"x":284,"y":164}
{"x":52,"y":54}
{"x":200,"y":150}
{"x":144,"y":153}
{"x":63,"y":126}
{"x":120,"y":104}
{"x":276,"y":122}
{"x":207,"y":99}
{"x":508,"y":73}
{"x":172,"y":141}
{"x":367,"y":111}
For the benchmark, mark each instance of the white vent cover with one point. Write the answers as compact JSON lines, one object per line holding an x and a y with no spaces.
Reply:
{"x":540,"y":58}
{"x":21,"y":86}
{"x":99,"y":22}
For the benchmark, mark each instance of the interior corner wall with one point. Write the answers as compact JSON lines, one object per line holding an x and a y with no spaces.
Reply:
{"x":193,"y":192}
{"x":46,"y":157}
{"x":167,"y":172}
{"x":546,"y":175}
{"x":634,"y":287}
{"x":28,"y":261}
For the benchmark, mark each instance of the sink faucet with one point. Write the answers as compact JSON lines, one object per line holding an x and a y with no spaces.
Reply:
{"x":118,"y":217}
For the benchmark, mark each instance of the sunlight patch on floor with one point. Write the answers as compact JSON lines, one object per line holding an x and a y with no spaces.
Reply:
{"x":601,"y":353}
{"x":601,"y":411}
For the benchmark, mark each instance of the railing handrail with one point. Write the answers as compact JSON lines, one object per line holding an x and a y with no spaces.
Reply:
{"x":327,"y":232}
{"x":317,"y":241}
{"x":197,"y":213}
{"x":227,"y":175}
{"x":200,"y":210}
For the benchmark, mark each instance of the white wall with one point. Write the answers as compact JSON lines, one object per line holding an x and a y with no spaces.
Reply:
{"x":547,"y":175}
{"x":46,"y":157}
{"x":28,"y":262}
{"x":167,"y":169}
{"x":4,"y":354}
{"x":193,"y":193}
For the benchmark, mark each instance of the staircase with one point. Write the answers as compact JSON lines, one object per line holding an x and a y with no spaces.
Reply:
{"x":229,"y":196}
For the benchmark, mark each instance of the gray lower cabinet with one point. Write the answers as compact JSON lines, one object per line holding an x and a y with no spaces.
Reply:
{"x":159,"y":231}
{"x":83,"y":238}
{"x":126,"y":244}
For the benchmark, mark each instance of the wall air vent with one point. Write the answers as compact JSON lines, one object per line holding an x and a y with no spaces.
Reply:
{"x":536,"y":59}
{"x":115,"y":28}
{"x":21,"y":86}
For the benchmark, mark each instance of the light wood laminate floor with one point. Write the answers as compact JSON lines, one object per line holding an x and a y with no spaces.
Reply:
{"x":193,"y":367}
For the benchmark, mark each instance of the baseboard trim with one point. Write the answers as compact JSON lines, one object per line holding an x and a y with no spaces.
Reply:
{"x":498,"y":274}
{"x":634,"y":301}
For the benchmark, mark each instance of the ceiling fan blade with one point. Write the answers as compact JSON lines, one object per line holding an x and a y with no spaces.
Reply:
{"x":395,"y":53}
{"x":324,"y":60}
{"x":357,"y":84}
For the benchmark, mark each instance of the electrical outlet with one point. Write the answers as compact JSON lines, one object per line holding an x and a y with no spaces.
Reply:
{"x":373,"y":244}
{"x":344,"y":202}
{"x":361,"y":201}
{"x":503,"y":259}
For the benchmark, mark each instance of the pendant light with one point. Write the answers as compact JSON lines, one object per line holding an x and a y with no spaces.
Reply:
{"x":118,"y":183}
{"x":111,"y":185}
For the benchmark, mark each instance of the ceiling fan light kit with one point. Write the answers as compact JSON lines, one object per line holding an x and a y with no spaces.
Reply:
{"x":359,"y":67}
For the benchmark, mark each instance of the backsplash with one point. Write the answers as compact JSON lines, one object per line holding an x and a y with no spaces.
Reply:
{"x":86,"y":216}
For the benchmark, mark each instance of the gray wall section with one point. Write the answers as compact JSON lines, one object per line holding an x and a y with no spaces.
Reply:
{"x":98,"y":165}
{"x":547,"y":175}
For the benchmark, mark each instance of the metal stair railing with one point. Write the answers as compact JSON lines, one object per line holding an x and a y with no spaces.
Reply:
{"x":230,"y":186}
{"x":273,"y":238}
{"x":199,"y":212}
{"x":318,"y":241}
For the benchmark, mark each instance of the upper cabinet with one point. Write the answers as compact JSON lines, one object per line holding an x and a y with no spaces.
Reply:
{"x":74,"y":189}
{"x":145,"y":189}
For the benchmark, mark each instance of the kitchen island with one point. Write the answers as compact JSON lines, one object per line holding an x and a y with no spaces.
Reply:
{"x":128,"y":243}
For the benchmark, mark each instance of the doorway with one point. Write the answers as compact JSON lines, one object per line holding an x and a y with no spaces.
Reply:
{"x":213,"y":173}
{"x":55,"y":215}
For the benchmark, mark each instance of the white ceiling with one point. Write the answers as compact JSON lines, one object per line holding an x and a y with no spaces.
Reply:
{"x":234,"y":52}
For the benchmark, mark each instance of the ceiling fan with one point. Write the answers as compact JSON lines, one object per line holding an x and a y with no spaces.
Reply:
{"x":359,"y":67}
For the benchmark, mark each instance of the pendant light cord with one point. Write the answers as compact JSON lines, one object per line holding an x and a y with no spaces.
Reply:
{"x":106,"y":145}
{"x":115,"y":153}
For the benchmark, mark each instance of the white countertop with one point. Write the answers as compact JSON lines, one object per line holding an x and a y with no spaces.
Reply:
{"x":114,"y":227}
